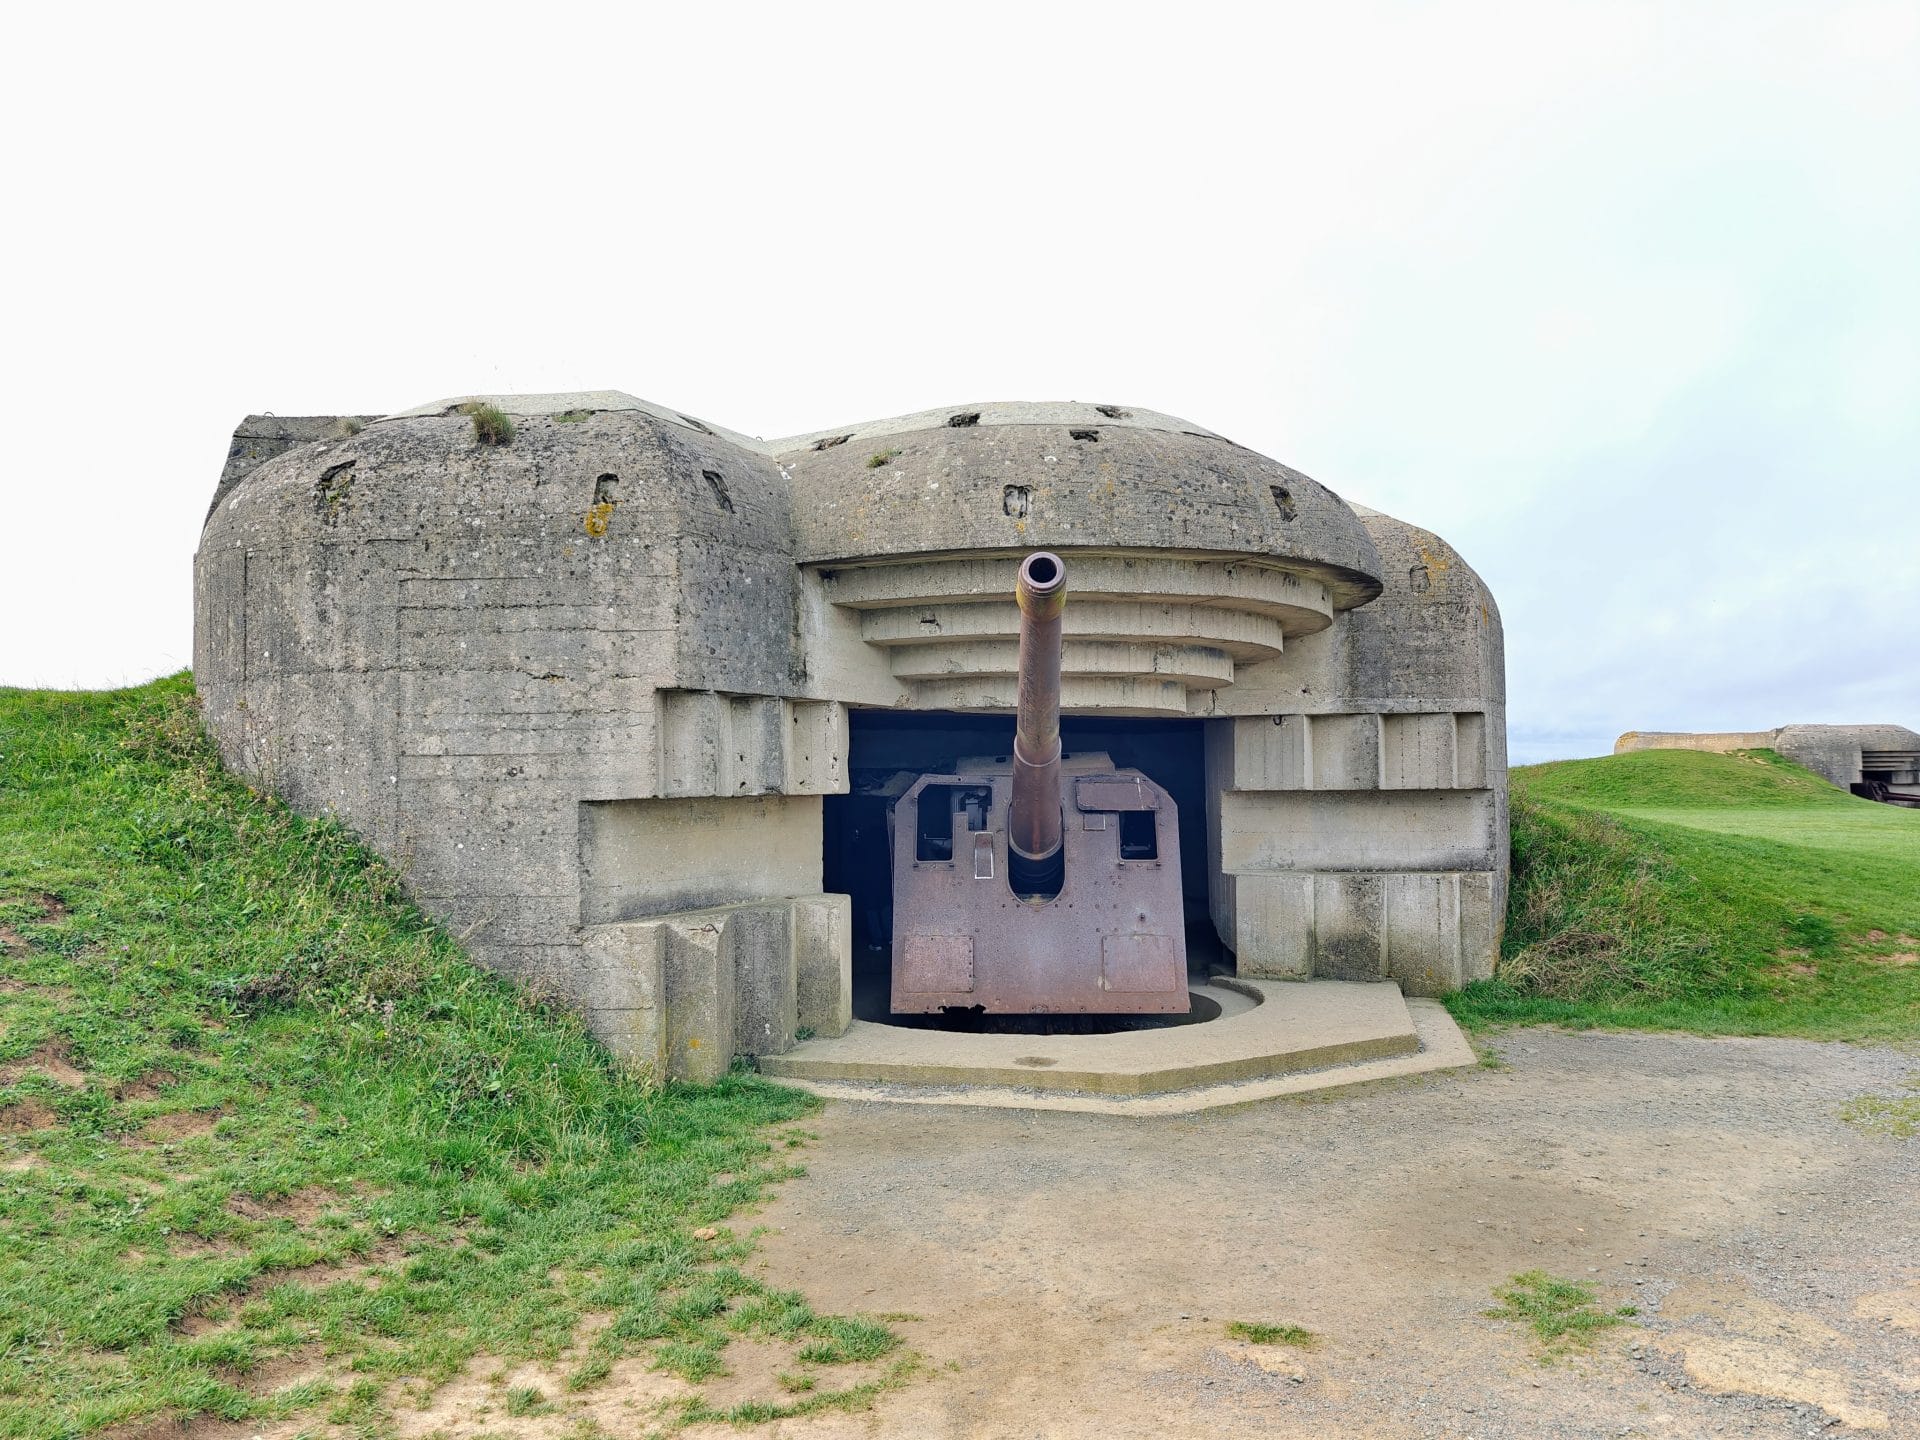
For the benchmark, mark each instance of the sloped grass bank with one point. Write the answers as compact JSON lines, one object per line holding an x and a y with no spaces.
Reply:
{"x":270,"y":1145}
{"x":1730,"y":894}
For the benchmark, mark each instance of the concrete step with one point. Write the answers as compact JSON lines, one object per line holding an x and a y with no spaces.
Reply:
{"x":1271,"y":1037}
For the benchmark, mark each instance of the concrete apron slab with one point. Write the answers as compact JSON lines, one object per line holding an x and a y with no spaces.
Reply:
{"x":1300,"y":1036}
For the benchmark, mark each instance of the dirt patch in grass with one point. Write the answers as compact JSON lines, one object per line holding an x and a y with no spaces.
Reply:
{"x":165,"y":1427}
{"x":52,"y":1060}
{"x":181,"y":1125}
{"x":303,"y":1206}
{"x":26,"y":1115}
{"x":185,"y":1245}
{"x":146,"y":1087}
{"x":52,"y":910}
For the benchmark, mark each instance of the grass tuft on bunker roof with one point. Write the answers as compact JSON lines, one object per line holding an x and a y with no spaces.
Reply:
{"x":259,"y":1116}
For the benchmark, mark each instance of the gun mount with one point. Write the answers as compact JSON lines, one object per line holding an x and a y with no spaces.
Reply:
{"x":1036,"y":882}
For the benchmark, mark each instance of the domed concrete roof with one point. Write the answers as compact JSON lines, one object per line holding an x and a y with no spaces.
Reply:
{"x":1000,"y":477}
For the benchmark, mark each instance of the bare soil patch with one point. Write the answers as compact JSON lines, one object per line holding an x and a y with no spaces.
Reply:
{"x":181,"y":1125}
{"x":26,"y":1115}
{"x":302,"y":1206}
{"x":145,"y":1087}
{"x":52,"y":1060}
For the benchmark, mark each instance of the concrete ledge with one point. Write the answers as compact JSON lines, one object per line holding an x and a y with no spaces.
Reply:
{"x":1442,"y":1047}
{"x":1294,"y":1027}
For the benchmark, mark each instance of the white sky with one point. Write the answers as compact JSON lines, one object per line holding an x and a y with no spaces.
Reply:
{"x":1622,"y":299}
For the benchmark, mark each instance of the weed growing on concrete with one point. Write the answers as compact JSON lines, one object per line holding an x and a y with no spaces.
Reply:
{"x":1563,"y":1314}
{"x":254,"y":1106}
{"x":881,"y":457}
{"x":572,"y":417}
{"x":490,"y":423}
{"x":1256,"y":1332}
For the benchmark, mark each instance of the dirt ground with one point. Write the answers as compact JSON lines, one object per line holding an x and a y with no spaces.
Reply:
{"x":1073,"y":1275}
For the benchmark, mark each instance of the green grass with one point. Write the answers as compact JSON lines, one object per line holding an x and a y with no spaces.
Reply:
{"x":491,"y":424}
{"x":1562,"y":1314}
{"x":1895,"y":1116}
{"x":1256,"y":1332}
{"x":1725,"y":894}
{"x":259,"y":1118}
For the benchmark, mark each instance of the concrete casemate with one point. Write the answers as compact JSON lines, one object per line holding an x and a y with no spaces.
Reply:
{"x":607,"y":693}
{"x":1881,"y":762}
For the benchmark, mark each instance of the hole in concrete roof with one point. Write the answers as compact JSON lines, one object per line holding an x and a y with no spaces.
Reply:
{"x":1419,"y":578}
{"x":718,"y":484}
{"x":689,"y":420}
{"x":1283,"y":501}
{"x":1014,"y":500}
{"x":606,"y":490}
{"x":1084,"y":434}
{"x":1114,"y":412}
{"x":831,"y":441}
{"x":964,"y":419}
{"x":330,"y":491}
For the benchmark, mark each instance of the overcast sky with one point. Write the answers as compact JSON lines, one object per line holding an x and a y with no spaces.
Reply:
{"x":1623,"y":300}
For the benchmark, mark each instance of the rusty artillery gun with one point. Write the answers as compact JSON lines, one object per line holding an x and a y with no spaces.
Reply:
{"x":1033,"y":882}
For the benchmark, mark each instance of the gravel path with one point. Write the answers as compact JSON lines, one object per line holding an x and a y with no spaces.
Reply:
{"x":1073,"y":1275}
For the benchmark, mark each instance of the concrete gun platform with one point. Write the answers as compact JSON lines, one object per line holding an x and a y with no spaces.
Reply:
{"x":1271,"y":1038}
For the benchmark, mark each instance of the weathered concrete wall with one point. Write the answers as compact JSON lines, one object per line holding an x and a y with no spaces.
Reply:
{"x":1358,"y":817}
{"x":259,"y":438}
{"x":468,"y":652}
{"x":1708,"y":742}
{"x":587,"y":688}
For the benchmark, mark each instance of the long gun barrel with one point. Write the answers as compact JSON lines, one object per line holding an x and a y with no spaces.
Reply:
{"x":1035,"y":862}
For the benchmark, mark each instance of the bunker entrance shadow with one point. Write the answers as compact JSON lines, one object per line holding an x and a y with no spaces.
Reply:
{"x":886,"y":745}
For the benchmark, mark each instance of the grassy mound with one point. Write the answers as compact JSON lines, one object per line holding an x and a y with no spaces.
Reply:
{"x":1732,"y":894}
{"x":269,"y":1144}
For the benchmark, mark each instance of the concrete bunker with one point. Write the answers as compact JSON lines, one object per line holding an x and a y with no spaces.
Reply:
{"x":1875,"y":762}
{"x":610,"y":694}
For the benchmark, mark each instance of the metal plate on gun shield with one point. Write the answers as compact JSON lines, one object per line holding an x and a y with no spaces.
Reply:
{"x":1114,"y":792}
{"x":1135,"y":963}
{"x":937,"y":965}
